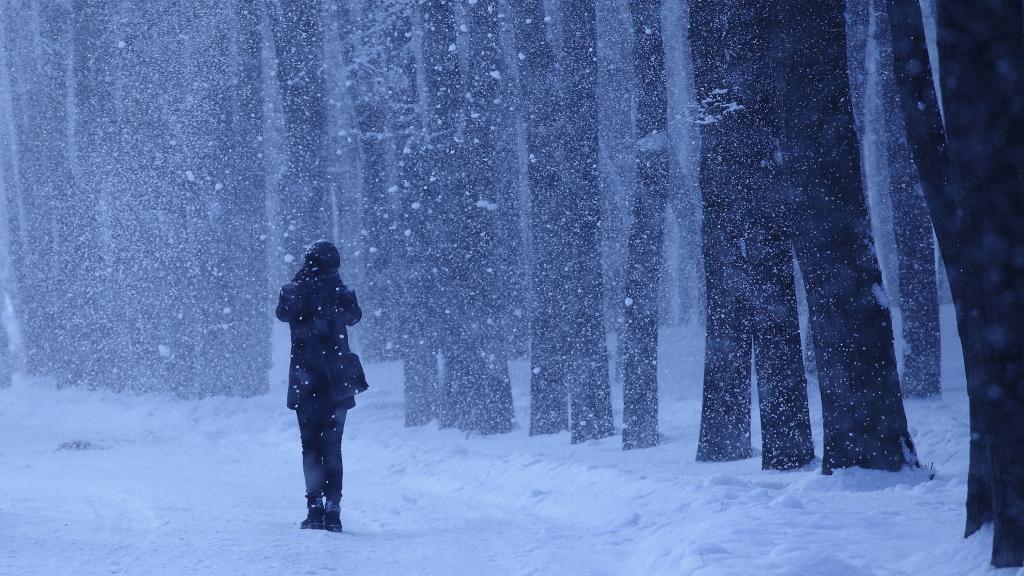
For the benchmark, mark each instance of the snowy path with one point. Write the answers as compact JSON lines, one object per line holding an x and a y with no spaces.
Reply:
{"x":214,"y":487}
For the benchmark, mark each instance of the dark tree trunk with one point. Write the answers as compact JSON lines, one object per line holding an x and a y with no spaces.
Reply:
{"x":585,"y":353}
{"x":725,"y":414}
{"x":915,"y":245}
{"x":973,"y":188}
{"x":786,"y":441}
{"x":646,"y":238}
{"x":421,"y":379}
{"x":549,"y":397}
{"x":862,"y":407}
{"x":751,"y":294}
{"x":298,"y":39}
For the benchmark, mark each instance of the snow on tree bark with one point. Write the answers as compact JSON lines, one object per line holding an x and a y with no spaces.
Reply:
{"x":904,"y":229}
{"x":725,"y":414}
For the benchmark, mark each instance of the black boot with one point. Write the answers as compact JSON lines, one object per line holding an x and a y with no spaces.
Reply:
{"x":332,"y":517}
{"x":314,"y":514}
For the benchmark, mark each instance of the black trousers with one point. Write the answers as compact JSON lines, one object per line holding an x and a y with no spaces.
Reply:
{"x":320,"y":428}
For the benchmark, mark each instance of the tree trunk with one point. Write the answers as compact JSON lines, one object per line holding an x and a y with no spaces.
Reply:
{"x":442,"y":84}
{"x":865,"y":424}
{"x":549,"y":397}
{"x":302,"y":202}
{"x":95,"y":164}
{"x":371,"y":117}
{"x":341,"y":41}
{"x":244,"y":252}
{"x":40,"y":46}
{"x":375,"y":84}
{"x":512,"y":193}
{"x":646,"y":237}
{"x":476,"y":392}
{"x":485,"y":394}
{"x":684,"y":184}
{"x":617,"y":112}
{"x":915,"y":247}
{"x":751,"y":294}
{"x":6,"y":198}
{"x":786,"y":441}
{"x":972,"y":175}
{"x":585,"y":353}
{"x":725,"y":414}
{"x":420,"y":311}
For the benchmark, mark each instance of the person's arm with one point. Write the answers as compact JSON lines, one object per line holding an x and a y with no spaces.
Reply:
{"x":288,"y":303}
{"x":351,"y":314}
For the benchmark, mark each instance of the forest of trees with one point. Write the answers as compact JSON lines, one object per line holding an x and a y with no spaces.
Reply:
{"x":551,"y":180}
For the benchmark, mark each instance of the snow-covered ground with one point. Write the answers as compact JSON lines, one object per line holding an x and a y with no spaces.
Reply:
{"x":99,"y":483}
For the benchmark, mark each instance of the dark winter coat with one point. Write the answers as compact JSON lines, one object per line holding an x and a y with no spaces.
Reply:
{"x":318,"y":308}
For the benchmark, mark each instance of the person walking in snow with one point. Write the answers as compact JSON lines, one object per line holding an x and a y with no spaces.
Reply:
{"x":323,"y":377}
